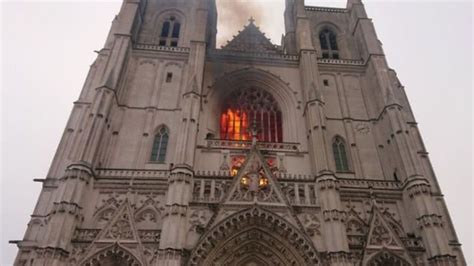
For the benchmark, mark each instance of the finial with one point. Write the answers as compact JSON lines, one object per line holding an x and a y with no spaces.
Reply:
{"x":251,"y":20}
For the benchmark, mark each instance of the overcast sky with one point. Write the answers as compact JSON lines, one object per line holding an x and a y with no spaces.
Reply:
{"x":47,"y":48}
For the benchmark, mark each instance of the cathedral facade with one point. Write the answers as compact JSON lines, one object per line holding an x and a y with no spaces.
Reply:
{"x":181,"y":153}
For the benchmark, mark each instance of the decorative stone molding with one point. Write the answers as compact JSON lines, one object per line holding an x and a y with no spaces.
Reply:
{"x":349,"y":62}
{"x":121,"y":173}
{"x":78,"y":171}
{"x":67,"y":207}
{"x":85,"y":235}
{"x":247,"y":145}
{"x":326,"y":9}
{"x":175,"y":210}
{"x":430,"y":220}
{"x":209,"y":247}
{"x":327,"y":182}
{"x":52,"y":253}
{"x":334,"y":215}
{"x":114,"y":255}
{"x":180,"y":177}
{"x":155,"y":47}
{"x":338,"y":258}
{"x":418,"y":189}
{"x":443,"y":260}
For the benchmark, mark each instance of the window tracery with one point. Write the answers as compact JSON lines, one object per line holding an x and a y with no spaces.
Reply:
{"x":246,"y":107}
{"x":160,"y":145}
{"x":340,"y":156}
{"x":387,"y":259}
{"x":170,"y":31}
{"x":328,"y":41}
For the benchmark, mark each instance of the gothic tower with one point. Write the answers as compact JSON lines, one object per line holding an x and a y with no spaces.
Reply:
{"x":180,"y":153}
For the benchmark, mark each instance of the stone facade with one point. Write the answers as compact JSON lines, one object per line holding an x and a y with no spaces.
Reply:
{"x":143,"y":176}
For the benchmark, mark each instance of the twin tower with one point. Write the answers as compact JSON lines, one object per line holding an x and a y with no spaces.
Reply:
{"x":180,"y":153}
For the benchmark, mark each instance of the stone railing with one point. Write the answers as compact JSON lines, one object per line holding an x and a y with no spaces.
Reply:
{"x":145,"y":174}
{"x":223,"y":52}
{"x":243,"y":145}
{"x":365,"y":183}
{"x":155,"y":47}
{"x":350,"y":62}
{"x":326,"y":9}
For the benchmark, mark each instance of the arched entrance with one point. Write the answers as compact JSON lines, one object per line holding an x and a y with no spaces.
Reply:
{"x":254,"y":237}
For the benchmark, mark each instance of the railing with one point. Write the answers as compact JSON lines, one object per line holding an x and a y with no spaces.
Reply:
{"x":351,"y":62}
{"x":365,"y":183}
{"x":254,"y":54}
{"x":244,"y":144}
{"x":155,"y":47}
{"x":114,"y":173}
{"x":326,"y":9}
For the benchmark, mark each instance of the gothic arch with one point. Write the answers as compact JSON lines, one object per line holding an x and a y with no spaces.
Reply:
{"x":340,"y":36}
{"x":160,"y":17}
{"x":250,"y":234}
{"x":386,"y":258}
{"x":258,"y":78}
{"x":114,"y":255}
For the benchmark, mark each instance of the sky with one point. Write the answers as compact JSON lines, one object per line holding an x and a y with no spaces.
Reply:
{"x":48,"y":46}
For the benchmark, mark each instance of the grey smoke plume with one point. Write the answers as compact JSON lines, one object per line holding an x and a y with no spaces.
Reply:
{"x":234,"y":15}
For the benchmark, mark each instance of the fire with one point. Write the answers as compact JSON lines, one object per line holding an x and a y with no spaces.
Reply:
{"x":234,"y":125}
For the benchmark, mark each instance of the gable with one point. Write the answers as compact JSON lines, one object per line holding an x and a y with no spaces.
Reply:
{"x":251,"y":39}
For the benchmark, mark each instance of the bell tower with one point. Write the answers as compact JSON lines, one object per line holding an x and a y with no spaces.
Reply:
{"x":180,"y":153}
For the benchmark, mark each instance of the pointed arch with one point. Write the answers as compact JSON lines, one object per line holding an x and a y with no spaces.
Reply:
{"x":169,"y":27}
{"x":248,"y":233}
{"x":327,"y":34}
{"x":160,"y":144}
{"x":386,"y":258}
{"x":114,"y":255}
{"x":251,"y":77}
{"x":340,"y":154}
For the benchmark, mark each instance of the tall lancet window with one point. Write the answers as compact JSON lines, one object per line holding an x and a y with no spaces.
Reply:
{"x":170,"y":32}
{"x":328,"y":41}
{"x":340,"y":156}
{"x":245,"y":107}
{"x":160,"y":144}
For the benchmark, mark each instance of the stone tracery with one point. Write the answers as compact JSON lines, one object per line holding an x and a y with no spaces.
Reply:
{"x":226,"y":242}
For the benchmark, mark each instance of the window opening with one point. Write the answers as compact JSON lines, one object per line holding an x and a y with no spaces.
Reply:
{"x":169,"y":77}
{"x":328,"y":41}
{"x":243,"y":108}
{"x":170,"y":32}
{"x":340,"y":156}
{"x":160,"y":144}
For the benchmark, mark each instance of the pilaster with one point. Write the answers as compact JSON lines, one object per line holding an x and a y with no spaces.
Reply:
{"x":66,"y":213}
{"x":335,"y":237}
{"x":430,"y":222}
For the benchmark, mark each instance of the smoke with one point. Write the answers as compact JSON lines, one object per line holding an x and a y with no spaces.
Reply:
{"x":233,"y":15}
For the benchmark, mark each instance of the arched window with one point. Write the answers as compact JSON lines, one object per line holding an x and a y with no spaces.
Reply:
{"x":170,"y":32}
{"x":340,"y":156}
{"x":248,"y":106}
{"x":387,"y":259}
{"x":160,"y":144}
{"x":328,"y":41}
